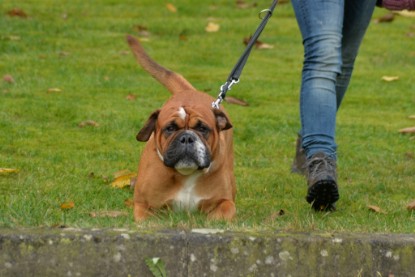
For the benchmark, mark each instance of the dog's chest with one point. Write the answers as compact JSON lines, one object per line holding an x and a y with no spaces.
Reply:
{"x":186,"y":198}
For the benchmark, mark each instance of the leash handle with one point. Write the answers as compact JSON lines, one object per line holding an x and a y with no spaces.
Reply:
{"x":236,"y":72}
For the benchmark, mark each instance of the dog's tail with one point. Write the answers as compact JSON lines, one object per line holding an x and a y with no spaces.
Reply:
{"x":172,"y":81}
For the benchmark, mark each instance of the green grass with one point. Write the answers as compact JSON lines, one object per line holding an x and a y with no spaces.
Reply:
{"x":79,"y":47}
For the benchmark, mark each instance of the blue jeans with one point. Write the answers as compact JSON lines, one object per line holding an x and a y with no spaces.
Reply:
{"x":332,"y":31}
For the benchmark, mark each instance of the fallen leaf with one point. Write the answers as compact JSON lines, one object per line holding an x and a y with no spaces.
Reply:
{"x":17,"y":13}
{"x":121,"y":173}
{"x":183,"y":35}
{"x":52,"y":90}
{"x":242,"y":4}
{"x":236,"y":101}
{"x":386,"y":18}
{"x":129,"y":203}
{"x":390,"y":78}
{"x":88,"y":123}
{"x":212,"y":27}
{"x":258,"y":44}
{"x":124,"y":180}
{"x":411,"y":206}
{"x":8,"y":78}
{"x":6,"y":171}
{"x":406,"y":13}
{"x":375,"y":209}
{"x":112,"y":214}
{"x":131,"y":97}
{"x":265,"y":46}
{"x":63,"y":53}
{"x":67,"y":205}
{"x":142,"y":31}
{"x":411,"y":116}
{"x":409,"y":130}
{"x":410,"y":155}
{"x":171,"y":7}
{"x":274,"y":216}
{"x":13,"y":38}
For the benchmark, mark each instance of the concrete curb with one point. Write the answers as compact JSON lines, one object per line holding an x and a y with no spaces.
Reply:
{"x":203,"y":252}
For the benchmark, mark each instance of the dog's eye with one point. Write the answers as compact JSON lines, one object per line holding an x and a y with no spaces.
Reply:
{"x":202,"y":129}
{"x":170,"y":128}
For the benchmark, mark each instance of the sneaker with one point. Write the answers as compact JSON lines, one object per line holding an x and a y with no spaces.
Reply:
{"x":299,"y":163}
{"x":322,"y":182}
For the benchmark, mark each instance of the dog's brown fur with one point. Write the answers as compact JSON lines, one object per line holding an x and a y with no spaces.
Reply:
{"x":212,"y":189}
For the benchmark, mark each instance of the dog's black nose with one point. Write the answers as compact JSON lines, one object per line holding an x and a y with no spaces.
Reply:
{"x":187,"y":139}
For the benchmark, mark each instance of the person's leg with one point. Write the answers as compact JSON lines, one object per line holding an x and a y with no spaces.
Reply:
{"x":357,"y":15}
{"x":321,"y":24}
{"x":332,"y":33}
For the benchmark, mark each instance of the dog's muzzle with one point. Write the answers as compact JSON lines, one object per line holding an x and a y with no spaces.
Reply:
{"x":187,"y":153}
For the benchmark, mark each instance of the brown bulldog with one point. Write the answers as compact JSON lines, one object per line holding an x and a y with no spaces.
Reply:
{"x":187,"y":162}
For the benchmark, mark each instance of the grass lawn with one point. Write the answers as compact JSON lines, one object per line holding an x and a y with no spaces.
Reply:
{"x":70,"y":63}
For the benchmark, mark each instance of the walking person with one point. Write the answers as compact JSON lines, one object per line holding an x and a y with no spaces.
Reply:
{"x":332,"y":32}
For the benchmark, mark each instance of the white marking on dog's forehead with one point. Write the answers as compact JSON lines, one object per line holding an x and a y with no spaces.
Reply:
{"x":182,"y":113}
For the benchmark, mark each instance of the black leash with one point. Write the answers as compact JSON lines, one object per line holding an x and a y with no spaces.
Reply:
{"x":237,"y":70}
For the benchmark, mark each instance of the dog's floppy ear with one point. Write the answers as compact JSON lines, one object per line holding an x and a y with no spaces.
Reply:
{"x":145,"y":132}
{"x":222,"y":120}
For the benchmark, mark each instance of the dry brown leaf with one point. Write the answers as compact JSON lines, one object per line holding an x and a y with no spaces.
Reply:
{"x":125,"y":53}
{"x":409,"y":130}
{"x":375,"y":209}
{"x":63,"y":53}
{"x":236,"y":101}
{"x":258,"y":44}
{"x":274,"y":216}
{"x":88,"y":123}
{"x":242,"y":4}
{"x":131,"y":97}
{"x":171,"y":7}
{"x":123,"y":179}
{"x":67,"y":205}
{"x":17,"y":13}
{"x":142,"y":31}
{"x":6,"y":171}
{"x":8,"y":78}
{"x":390,"y":78}
{"x":212,"y":27}
{"x":129,"y":202}
{"x":386,"y":18}
{"x":406,"y":13}
{"x":183,"y":35}
{"x":111,"y":214}
{"x":411,"y":206}
{"x":52,"y":90}
{"x":265,"y":46}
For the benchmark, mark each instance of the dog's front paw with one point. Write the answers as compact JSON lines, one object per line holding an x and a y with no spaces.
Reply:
{"x":224,"y":211}
{"x":141,"y":212}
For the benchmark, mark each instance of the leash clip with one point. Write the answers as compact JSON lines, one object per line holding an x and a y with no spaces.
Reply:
{"x":223,"y":89}
{"x":264,"y":11}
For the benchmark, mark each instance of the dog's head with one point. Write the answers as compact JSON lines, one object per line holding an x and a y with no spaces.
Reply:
{"x":186,"y":129}
{"x":185,"y":137}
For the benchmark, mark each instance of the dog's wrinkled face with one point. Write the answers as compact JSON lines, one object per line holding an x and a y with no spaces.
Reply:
{"x":185,"y":137}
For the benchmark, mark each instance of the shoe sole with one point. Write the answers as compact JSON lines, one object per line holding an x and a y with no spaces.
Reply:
{"x":322,"y":195}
